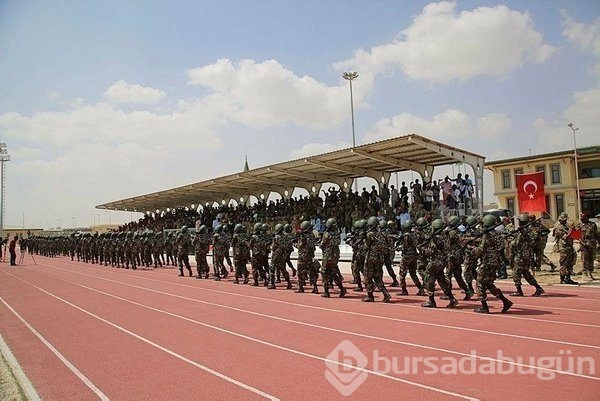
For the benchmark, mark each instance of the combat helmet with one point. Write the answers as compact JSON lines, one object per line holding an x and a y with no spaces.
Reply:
{"x":373,"y":221}
{"x":489,"y":220}
{"x":257,"y":227}
{"x":471,"y":221}
{"x":437,"y":225}
{"x":238,"y":228}
{"x":330,"y":223}
{"x":184,"y":229}
{"x":305,"y":226}
{"x":453,"y":221}
{"x":523,"y":218}
{"x":422,"y":222}
{"x":383,"y":224}
{"x":407,"y":225}
{"x":278,"y":228}
{"x":563,"y":217}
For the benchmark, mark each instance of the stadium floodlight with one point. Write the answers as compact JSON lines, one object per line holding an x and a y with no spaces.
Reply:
{"x":4,"y":157}
{"x":578,"y":194}
{"x":351,"y":76}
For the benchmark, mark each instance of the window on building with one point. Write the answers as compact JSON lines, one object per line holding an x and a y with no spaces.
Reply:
{"x":555,"y":172}
{"x":543,"y":170}
{"x":590,"y":172}
{"x":517,"y":171}
{"x":559,"y":199}
{"x":548,"y":205}
{"x":505,"y":179}
{"x":510,"y":205}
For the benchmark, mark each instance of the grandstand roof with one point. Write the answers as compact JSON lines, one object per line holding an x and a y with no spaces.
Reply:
{"x":376,"y":160}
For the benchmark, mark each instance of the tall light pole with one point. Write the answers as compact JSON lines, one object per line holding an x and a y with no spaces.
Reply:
{"x":351,"y":76}
{"x":4,"y":157}
{"x":578,"y":200}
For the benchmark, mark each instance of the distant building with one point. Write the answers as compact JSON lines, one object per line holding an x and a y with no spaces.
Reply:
{"x":559,"y":180}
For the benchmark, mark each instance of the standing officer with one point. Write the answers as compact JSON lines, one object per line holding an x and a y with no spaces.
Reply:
{"x":589,"y":244}
{"x":564,"y":246}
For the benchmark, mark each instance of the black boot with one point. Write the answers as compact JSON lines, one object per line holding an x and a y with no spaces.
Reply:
{"x":538,"y":291}
{"x":430,"y":303}
{"x":395,"y":283}
{"x":246,"y":278}
{"x":386,"y":295}
{"x":271,"y":285}
{"x":325,"y":293}
{"x":568,"y":280}
{"x":562,"y":279}
{"x":421,"y":292}
{"x":255,"y":284}
{"x":181,"y":272}
{"x":189,"y":271}
{"x":300,"y":290}
{"x":483,"y":308}
{"x":402,"y":291}
{"x":289,"y":284}
{"x":506,"y":303}
{"x":369,"y":297}
{"x":453,"y":302}
{"x":343,"y":291}
{"x":359,"y":287}
{"x":518,"y":293}
{"x":315,"y":289}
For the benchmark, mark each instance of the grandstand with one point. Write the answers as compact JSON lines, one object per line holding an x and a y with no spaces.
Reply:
{"x":378,"y":160}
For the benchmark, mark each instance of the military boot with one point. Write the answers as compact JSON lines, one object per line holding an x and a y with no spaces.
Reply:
{"x":246,"y":278}
{"x":568,"y":280}
{"x":325,"y":293}
{"x":563,"y":279}
{"x":181,"y":272}
{"x":189,"y":269}
{"x":255,"y":284}
{"x":300,"y":290}
{"x":369,"y":297}
{"x":430,"y":303}
{"x":386,"y":295}
{"x":271,"y":285}
{"x":453,"y":302}
{"x":343,"y":292}
{"x":359,"y":287}
{"x":289,"y":284}
{"x":518,"y":293}
{"x":315,"y":289}
{"x":483,"y":308}
{"x":421,"y":292}
{"x":403,"y":291}
{"x":506,"y":303}
{"x":236,"y":280}
{"x":278,"y":278}
{"x":538,"y":291}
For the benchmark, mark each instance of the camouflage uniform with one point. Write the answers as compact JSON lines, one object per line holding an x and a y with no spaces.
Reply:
{"x":455,"y":258}
{"x":257,"y":248}
{"x":157,"y":249}
{"x":563,"y":245}
{"x":376,"y":245}
{"x":589,"y":245}
{"x":540,"y":239}
{"x":278,"y":255}
{"x":408,"y":245}
{"x":490,"y":248}
{"x":330,"y":246}
{"x":241,"y":255}
{"x":435,"y":249}
{"x":358,"y":258}
{"x":184,"y":245}
{"x":201,"y":245}
{"x":523,"y":250}
{"x":305,"y":242}
{"x":220,"y":247}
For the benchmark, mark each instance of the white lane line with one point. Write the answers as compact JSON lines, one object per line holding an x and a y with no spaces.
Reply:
{"x":301,"y":305}
{"x":316,"y":326}
{"x":253,"y":339}
{"x":17,"y":371}
{"x":160,"y":347}
{"x":60,"y":356}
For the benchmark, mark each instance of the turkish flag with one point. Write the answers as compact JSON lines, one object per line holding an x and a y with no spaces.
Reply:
{"x":530,"y":188}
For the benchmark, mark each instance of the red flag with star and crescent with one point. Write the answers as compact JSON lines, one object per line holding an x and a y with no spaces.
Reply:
{"x":530,"y":188}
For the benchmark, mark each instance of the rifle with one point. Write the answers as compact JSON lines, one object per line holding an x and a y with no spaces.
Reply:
{"x":521,"y":227}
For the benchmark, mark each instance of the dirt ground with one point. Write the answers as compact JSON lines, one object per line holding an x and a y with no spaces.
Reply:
{"x":9,"y":388}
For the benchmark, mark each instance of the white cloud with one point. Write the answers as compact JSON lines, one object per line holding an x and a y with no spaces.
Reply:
{"x":267,"y":94}
{"x":448,"y":125}
{"x":493,"y":125}
{"x":584,"y":37}
{"x":124,"y":92}
{"x":442,"y":45}
{"x":583,"y":113}
{"x":312,"y":149}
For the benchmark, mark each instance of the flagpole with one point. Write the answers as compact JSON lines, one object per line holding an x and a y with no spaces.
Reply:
{"x":577,"y":197}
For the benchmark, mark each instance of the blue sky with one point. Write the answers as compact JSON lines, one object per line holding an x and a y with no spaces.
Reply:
{"x":107,"y":100}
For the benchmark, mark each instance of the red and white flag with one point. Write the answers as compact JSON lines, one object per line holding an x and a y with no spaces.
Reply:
{"x":530,"y":188}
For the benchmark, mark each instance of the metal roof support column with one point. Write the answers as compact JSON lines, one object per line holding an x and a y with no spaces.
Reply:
{"x":478,"y":170}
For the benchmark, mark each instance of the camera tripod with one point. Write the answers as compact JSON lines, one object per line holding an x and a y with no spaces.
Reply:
{"x":22,"y":257}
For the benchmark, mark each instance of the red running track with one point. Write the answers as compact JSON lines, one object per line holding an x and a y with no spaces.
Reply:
{"x":85,"y":331}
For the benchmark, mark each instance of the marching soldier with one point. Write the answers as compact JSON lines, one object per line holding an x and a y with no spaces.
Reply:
{"x":589,"y":244}
{"x":241,"y":253}
{"x":523,"y":249}
{"x":278,"y":255}
{"x":408,"y":247}
{"x":330,"y":246}
{"x":490,"y":248}
{"x":376,"y":245}
{"x":201,"y":245}
{"x":184,"y":245}
{"x":563,"y":244}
